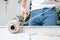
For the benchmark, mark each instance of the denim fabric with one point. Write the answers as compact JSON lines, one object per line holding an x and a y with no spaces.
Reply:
{"x":48,"y":18}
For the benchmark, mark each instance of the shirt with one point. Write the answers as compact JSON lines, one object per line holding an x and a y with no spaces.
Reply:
{"x":39,"y":4}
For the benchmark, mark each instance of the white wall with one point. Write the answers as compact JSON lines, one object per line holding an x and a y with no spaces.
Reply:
{"x":58,"y":6}
{"x":12,"y":11}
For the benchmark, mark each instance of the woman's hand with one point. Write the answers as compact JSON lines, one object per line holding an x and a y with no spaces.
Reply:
{"x":23,"y":12}
{"x":57,"y":0}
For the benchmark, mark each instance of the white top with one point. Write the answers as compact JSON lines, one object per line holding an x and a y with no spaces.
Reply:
{"x":38,"y":4}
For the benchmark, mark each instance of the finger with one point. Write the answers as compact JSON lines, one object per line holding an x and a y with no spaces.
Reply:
{"x":26,"y":13}
{"x":22,"y":13}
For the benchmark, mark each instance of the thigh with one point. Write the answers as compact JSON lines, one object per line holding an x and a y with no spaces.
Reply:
{"x":50,"y":18}
{"x":37,"y":20}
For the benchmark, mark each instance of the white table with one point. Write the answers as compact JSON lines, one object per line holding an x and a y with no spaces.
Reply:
{"x":36,"y":34}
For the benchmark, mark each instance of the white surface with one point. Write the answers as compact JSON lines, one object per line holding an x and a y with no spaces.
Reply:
{"x":39,"y":34}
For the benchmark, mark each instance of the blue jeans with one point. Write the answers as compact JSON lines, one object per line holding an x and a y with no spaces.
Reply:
{"x":48,"y":18}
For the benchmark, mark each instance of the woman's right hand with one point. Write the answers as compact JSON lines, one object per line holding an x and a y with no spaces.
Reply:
{"x":23,"y":12}
{"x":57,"y":0}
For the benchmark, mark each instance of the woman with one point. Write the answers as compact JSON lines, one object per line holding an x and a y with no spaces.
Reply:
{"x":47,"y":10}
